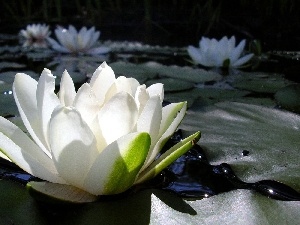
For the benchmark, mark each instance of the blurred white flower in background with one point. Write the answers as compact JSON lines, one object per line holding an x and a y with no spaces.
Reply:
{"x":222,"y":53}
{"x":82,"y":42}
{"x":35,"y":35}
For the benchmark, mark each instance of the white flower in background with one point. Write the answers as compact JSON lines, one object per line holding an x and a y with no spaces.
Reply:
{"x":100,"y":140}
{"x":222,"y":53}
{"x":82,"y":42}
{"x":35,"y":35}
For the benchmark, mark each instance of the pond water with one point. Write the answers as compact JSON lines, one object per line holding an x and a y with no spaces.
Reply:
{"x":272,"y":82}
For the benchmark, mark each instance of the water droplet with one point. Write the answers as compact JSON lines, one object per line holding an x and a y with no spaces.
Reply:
{"x":7,"y":92}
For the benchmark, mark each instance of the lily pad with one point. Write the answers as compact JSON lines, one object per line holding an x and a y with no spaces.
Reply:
{"x":261,"y":83}
{"x":4,"y":65}
{"x":127,"y":46}
{"x":137,"y":71}
{"x":257,"y":101}
{"x":189,"y":74}
{"x":289,"y":98}
{"x":153,"y":69}
{"x":205,"y":96}
{"x":171,"y":84}
{"x":271,"y":136}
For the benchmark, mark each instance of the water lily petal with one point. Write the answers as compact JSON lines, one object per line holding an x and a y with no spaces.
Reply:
{"x":61,"y":35}
{"x":67,"y":91}
{"x":95,"y":36}
{"x":222,"y":44}
{"x":156,"y":89}
{"x":25,"y":34}
{"x":242,"y":60}
{"x":101,"y":81}
{"x":150,"y":119}
{"x":170,"y":121}
{"x":95,"y":127}
{"x":169,"y":112}
{"x":72,"y":30}
{"x":231,"y":43}
{"x":141,"y":97}
{"x":24,"y":90}
{"x":168,"y":157}
{"x":98,"y":50}
{"x":57,"y":47}
{"x":71,"y":39}
{"x":74,"y":153}
{"x":86,"y":103}
{"x":47,"y":100}
{"x":53,"y":192}
{"x":204,"y":44}
{"x":20,"y":149}
{"x":194,"y":54}
{"x":116,"y":168}
{"x":122,"y":84}
{"x":83,"y":38}
{"x":118,"y":116}
{"x":237,"y":51}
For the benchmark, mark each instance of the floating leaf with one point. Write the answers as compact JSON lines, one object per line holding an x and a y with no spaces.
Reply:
{"x":271,"y":136}
{"x":289,"y":97}
{"x":153,"y":69}
{"x":172,"y":84}
{"x":12,"y":65}
{"x":262,"y":83}
{"x":257,"y":101}
{"x":205,"y":96}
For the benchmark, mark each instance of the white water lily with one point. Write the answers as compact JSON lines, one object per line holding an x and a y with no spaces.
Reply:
{"x":102,"y":139}
{"x":35,"y":35}
{"x":82,"y":42}
{"x":222,"y":53}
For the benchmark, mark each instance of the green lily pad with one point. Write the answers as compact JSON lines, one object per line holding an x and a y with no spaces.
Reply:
{"x":257,"y":101}
{"x":4,"y":65}
{"x":152,"y":69}
{"x":137,"y":71}
{"x":188,"y":73}
{"x":261,"y":82}
{"x":171,"y":84}
{"x":205,"y":96}
{"x":270,"y":135}
{"x":289,"y":97}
